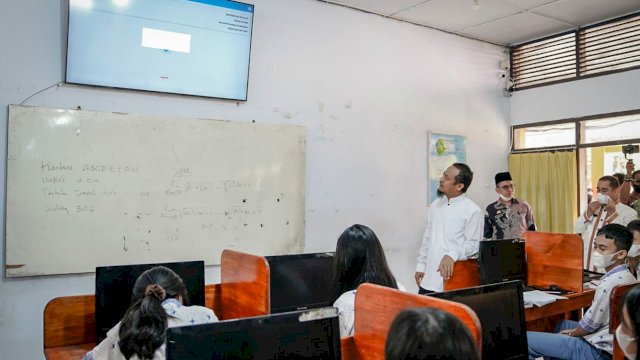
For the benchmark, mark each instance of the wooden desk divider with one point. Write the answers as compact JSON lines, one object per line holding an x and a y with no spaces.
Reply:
{"x":465,"y":274}
{"x":69,"y":323}
{"x":244,"y":285}
{"x":554,"y":259}
{"x":375,"y":309}
{"x":615,"y":306}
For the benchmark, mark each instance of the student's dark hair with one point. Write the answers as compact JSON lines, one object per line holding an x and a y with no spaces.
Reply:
{"x":621,"y":236}
{"x":613,"y":182}
{"x":633,"y":175}
{"x":632,"y":302}
{"x":359,"y":258}
{"x":142,"y":329}
{"x":429,"y":333}
{"x":634,"y":226}
{"x":465,"y":175}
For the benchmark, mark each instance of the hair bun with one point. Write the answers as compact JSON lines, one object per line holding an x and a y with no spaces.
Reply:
{"x":155,"y":290}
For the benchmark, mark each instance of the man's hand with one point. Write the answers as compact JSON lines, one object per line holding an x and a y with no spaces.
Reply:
{"x":446,"y":267}
{"x":593,"y":208}
{"x":567,"y":332}
{"x":419,"y":276}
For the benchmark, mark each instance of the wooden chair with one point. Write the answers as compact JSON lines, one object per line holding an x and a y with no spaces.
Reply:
{"x":465,"y":274}
{"x":375,"y":309}
{"x":615,"y":303}
{"x":554,"y":259}
{"x":244,"y":284}
{"x":69,"y":323}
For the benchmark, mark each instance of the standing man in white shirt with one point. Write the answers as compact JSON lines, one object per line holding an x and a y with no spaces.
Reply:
{"x":454,"y":229}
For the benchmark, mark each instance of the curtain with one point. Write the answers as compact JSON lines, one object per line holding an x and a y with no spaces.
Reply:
{"x":547,"y":181}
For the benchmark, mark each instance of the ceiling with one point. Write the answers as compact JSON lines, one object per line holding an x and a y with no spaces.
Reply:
{"x":503,"y":22}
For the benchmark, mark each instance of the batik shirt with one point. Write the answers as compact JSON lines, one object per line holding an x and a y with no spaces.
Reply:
{"x":178,"y":315}
{"x":508,"y":222}
{"x":596,"y":320}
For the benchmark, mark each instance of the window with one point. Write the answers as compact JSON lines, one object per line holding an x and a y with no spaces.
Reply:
{"x":594,"y":50}
{"x":544,"y":136}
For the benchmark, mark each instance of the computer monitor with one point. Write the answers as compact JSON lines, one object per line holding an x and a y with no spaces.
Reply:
{"x":502,"y":260}
{"x":307,"y":334}
{"x":302,"y":281}
{"x":114,"y":286}
{"x":500,"y":309}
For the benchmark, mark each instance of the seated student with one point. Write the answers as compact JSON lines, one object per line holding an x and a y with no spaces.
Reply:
{"x":633,"y":257}
{"x":359,"y":259}
{"x":429,"y":333}
{"x":627,"y":331}
{"x":156,"y":305}
{"x":590,"y":338}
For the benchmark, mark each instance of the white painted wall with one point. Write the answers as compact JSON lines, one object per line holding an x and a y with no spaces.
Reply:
{"x":367,"y":88}
{"x":591,"y":96}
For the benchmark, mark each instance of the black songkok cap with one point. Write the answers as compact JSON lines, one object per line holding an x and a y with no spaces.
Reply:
{"x":503,"y":176}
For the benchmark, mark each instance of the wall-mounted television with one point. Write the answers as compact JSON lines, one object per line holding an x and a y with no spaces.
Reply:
{"x":191,"y":47}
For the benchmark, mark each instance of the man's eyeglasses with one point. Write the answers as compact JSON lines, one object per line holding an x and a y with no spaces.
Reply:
{"x":508,"y":187}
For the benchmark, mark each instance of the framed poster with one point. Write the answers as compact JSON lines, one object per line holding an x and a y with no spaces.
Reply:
{"x":444,"y":150}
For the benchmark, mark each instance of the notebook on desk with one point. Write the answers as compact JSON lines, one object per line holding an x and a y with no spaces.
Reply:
{"x":502,"y":260}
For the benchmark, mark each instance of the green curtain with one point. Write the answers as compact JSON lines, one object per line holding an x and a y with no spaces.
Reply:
{"x":547,"y":181}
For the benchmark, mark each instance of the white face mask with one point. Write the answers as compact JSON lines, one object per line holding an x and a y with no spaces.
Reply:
{"x":602,"y":261}
{"x":603,"y":199}
{"x":625,"y":340}
{"x":504,"y":198}
{"x":634,"y":251}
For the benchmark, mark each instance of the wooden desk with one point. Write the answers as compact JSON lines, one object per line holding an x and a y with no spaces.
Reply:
{"x":70,"y":323}
{"x":537,"y":317}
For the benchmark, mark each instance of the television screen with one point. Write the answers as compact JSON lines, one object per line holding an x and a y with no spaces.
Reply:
{"x":114,"y":285}
{"x":310,"y":334}
{"x":302,"y":281}
{"x":500,"y":309}
{"x":502,"y":260}
{"x":192,"y":47}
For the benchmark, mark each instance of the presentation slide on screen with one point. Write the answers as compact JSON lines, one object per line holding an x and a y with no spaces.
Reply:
{"x":178,"y":46}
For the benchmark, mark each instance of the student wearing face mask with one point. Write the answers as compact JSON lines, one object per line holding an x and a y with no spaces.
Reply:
{"x":590,"y":338}
{"x":627,"y":331}
{"x":607,"y":209}
{"x":633,"y":258}
{"x":508,"y":217}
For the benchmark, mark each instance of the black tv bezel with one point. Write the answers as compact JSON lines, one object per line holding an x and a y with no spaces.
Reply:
{"x":235,"y":325}
{"x":101,"y":300}
{"x":477,"y":290}
{"x":272,"y":290}
{"x":158,"y":92}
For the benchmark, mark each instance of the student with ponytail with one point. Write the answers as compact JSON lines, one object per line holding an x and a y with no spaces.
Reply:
{"x":157,"y":304}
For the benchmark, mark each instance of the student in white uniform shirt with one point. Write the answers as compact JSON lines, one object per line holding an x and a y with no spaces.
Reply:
{"x":157,"y":303}
{"x":359,"y":259}
{"x":454,"y":229}
{"x":633,"y":258}
{"x":607,"y":209}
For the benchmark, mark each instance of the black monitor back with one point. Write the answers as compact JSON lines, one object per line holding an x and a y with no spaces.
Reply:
{"x":502,"y":260}
{"x":302,"y":281}
{"x":309,"y":334}
{"x":114,"y":286}
{"x":500,"y":309}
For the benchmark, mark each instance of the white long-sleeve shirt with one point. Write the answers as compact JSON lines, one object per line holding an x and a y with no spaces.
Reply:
{"x":454,"y":228}
{"x":584,"y":226}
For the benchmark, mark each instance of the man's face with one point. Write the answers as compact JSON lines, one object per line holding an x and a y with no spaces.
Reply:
{"x":636,"y":237}
{"x":604,"y":188}
{"x":636,"y":182}
{"x":604,"y":246}
{"x":448,"y":184}
{"x":506,"y":188}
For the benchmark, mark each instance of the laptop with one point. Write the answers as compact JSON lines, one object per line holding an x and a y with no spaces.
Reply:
{"x":502,"y":260}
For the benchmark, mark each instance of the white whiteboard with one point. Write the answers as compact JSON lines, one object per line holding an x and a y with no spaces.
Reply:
{"x":87,"y":189}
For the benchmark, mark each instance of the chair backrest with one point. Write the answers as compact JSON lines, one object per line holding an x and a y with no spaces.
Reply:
{"x":377,"y":306}
{"x":465,"y":274}
{"x":244,"y":285}
{"x":554,"y":259}
{"x":69,"y":320}
{"x":615,"y":302}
